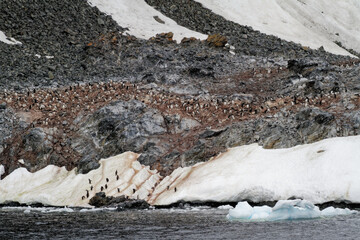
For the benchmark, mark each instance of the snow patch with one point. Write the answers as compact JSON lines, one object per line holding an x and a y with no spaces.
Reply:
{"x":142,"y":20}
{"x":308,"y":22}
{"x":283,"y":210}
{"x":321,"y":172}
{"x":2,"y":170}
{"x":8,"y":40}
{"x":55,"y":186}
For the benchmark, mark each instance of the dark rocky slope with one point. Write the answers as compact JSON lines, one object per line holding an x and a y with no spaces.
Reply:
{"x":104,"y":93}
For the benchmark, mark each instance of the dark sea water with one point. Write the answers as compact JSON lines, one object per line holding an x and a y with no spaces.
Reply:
{"x":200,"y":223}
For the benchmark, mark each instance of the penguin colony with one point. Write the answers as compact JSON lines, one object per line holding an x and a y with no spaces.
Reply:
{"x":117,"y":186}
{"x":62,"y":106}
{"x":59,"y":107}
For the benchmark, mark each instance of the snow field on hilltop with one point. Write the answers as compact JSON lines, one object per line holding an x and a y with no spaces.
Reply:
{"x":138,"y":17}
{"x":312,"y":23}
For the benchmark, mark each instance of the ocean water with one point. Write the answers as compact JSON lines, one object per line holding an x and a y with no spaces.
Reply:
{"x":195,"y":223}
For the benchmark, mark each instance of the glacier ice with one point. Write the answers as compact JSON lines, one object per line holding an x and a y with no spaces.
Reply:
{"x":283,"y":210}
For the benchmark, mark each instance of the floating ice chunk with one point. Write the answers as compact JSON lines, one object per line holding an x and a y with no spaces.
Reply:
{"x":294,"y":209}
{"x":243,"y":210}
{"x":225,"y":207}
{"x":261,"y":212}
{"x":283,"y":210}
{"x":331,"y":211}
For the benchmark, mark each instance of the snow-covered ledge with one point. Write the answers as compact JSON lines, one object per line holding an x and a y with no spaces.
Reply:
{"x":325,"y":171}
{"x":328,"y":170}
{"x":119,"y":175}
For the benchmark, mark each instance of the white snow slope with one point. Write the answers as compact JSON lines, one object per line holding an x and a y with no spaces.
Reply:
{"x":8,"y":40}
{"x":58,"y":187}
{"x":328,"y":170}
{"x":312,"y":23}
{"x":138,"y":16}
{"x":324,"y":171}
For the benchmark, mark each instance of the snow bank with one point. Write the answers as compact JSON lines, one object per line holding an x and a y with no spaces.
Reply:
{"x":138,"y":16}
{"x":58,"y":187}
{"x":283,"y":210}
{"x":308,"y":22}
{"x":325,"y":171}
{"x":8,"y":40}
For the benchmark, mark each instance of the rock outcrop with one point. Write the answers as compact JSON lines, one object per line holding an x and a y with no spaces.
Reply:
{"x":95,"y":92}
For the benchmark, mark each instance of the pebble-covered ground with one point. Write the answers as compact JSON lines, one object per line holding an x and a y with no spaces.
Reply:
{"x":77,"y":89}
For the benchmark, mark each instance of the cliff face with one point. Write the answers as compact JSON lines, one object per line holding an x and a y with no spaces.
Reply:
{"x":99,"y":93}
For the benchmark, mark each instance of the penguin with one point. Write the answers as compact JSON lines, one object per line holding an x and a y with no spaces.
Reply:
{"x":91,"y":188}
{"x":87,"y":193}
{"x":134,"y":190}
{"x":105,"y":186}
{"x":175,"y":189}
{"x":116,"y":172}
{"x":118,"y":190}
{"x":107,"y":180}
{"x":117,"y":177}
{"x":89,"y":181}
{"x":102,"y":188}
{"x":83,"y":197}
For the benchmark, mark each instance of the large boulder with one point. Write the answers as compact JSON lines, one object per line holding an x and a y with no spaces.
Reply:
{"x":116,"y":128}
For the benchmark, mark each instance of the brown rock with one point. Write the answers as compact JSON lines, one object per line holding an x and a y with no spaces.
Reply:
{"x":217,"y":40}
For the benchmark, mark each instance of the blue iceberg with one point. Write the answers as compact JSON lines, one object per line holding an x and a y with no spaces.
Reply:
{"x":283,"y":210}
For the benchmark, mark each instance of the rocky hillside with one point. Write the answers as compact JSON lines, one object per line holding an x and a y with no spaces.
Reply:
{"x":78,"y":90}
